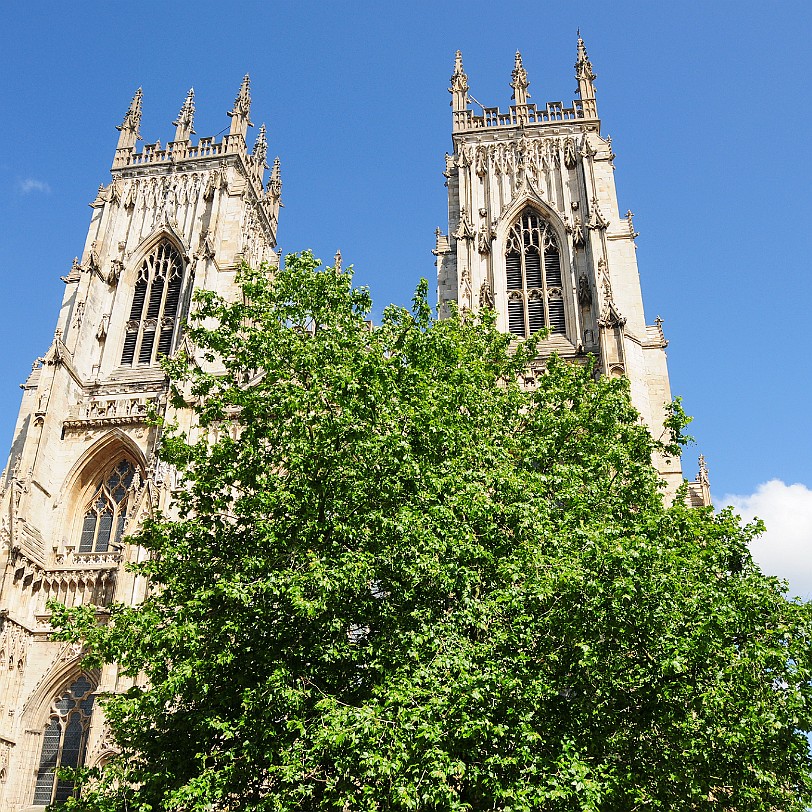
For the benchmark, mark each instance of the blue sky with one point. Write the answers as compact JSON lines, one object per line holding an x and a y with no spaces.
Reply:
{"x":707,"y":104}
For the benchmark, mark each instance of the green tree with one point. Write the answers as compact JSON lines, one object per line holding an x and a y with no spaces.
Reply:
{"x":411,"y":582}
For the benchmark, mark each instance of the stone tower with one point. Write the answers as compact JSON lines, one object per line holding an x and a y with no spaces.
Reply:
{"x":82,"y":471}
{"x":535,"y":232}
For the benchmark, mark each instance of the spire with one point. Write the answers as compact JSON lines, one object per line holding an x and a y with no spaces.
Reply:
{"x":184,"y":126}
{"x":132,"y":120}
{"x":519,"y":83}
{"x":260,"y":151}
{"x":459,"y":85}
{"x":274,"y":187}
{"x":240,"y":121}
{"x":583,"y":72}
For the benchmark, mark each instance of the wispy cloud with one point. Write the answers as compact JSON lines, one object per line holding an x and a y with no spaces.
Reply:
{"x":29,"y":185}
{"x":786,"y":548}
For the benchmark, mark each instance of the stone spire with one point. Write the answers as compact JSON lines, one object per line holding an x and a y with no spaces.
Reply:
{"x":260,"y":151}
{"x":128,"y":128}
{"x":583,"y":72}
{"x":184,"y":126}
{"x":240,"y":115}
{"x":459,"y":86}
{"x":519,"y":83}
{"x":274,"y":187}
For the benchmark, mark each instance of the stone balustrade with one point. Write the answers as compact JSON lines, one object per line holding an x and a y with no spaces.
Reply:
{"x":525,"y":114}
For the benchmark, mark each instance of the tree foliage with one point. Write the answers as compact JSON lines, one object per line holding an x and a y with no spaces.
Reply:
{"x":409,"y":582}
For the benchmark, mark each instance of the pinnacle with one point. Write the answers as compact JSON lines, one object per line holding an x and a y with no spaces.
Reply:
{"x":519,"y":81}
{"x":260,"y":150}
{"x":185,"y":120}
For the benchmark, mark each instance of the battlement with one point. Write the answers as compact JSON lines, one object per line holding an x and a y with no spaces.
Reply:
{"x":175,"y":151}
{"x":526,"y":115}
{"x":181,"y":149}
{"x":523,"y":113}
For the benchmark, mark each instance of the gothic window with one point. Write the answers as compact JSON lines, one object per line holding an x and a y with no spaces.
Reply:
{"x":64,"y":742}
{"x":533,"y":272}
{"x":106,"y":512}
{"x":154,"y":309}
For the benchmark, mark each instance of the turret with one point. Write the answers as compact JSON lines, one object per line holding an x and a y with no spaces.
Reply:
{"x":240,"y":121}
{"x":184,"y":126}
{"x":459,"y":86}
{"x":128,"y":128}
{"x":584,"y":73}
{"x":519,"y":82}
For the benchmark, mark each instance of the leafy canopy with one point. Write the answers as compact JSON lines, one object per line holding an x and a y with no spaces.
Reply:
{"x":398,"y":579}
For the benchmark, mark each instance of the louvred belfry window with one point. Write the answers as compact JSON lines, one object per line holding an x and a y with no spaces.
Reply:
{"x":533,"y":275}
{"x":106,"y":513}
{"x":154,"y":310}
{"x":64,"y":742}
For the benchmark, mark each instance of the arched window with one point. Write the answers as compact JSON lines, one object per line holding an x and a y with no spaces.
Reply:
{"x":155,"y":306}
{"x":106,"y":512}
{"x":533,"y":271}
{"x":64,"y":742}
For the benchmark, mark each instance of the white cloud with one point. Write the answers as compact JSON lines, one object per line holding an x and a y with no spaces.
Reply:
{"x":786,"y":548}
{"x":34,"y":185}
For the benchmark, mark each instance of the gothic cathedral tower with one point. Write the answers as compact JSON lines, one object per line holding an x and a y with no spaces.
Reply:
{"x":83,"y":472}
{"x":535,"y":233}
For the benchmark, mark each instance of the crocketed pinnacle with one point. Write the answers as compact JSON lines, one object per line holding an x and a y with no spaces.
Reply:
{"x":583,"y":72}
{"x":260,"y":151}
{"x":129,"y":128}
{"x":184,"y":125}
{"x":274,"y":187}
{"x":242,"y":104}
{"x":459,"y":85}
{"x":519,"y":81}
{"x":240,"y":115}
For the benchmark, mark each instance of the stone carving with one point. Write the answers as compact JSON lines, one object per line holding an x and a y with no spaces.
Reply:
{"x":480,"y":164}
{"x":570,"y":158}
{"x":465,"y":228}
{"x":584,"y":291}
{"x":74,"y":275}
{"x":486,"y":295}
{"x":485,"y":238}
{"x":630,"y":223}
{"x":578,"y":237}
{"x":597,"y":220}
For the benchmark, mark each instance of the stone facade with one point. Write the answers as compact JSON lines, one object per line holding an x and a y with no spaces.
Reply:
{"x":534,"y":231}
{"x":82,"y":471}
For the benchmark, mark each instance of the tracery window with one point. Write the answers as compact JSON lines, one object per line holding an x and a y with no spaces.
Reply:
{"x":534,"y":282}
{"x":64,"y":742}
{"x":106,"y":512}
{"x":155,"y":304}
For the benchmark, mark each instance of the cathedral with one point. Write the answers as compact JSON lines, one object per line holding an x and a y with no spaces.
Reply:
{"x":534,"y":232}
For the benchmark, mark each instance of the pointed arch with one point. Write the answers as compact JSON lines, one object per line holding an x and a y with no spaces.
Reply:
{"x":62,"y":709}
{"x":95,"y":508}
{"x":113,"y":443}
{"x":164,"y":232}
{"x":155,"y":308}
{"x":532,"y":248}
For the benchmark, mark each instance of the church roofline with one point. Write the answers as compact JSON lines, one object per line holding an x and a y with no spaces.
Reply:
{"x":526,"y":115}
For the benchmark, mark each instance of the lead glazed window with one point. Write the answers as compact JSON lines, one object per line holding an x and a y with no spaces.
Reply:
{"x":533,"y":275}
{"x":106,"y":513}
{"x":154,"y":310}
{"x":64,"y":742}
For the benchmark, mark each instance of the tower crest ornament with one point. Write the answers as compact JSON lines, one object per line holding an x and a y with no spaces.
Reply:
{"x":185,"y":121}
